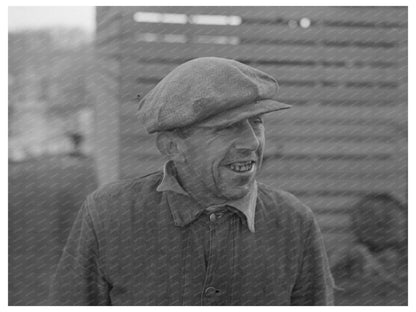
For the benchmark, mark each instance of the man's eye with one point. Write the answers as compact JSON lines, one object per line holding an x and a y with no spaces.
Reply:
{"x":229,"y":127}
{"x":257,"y":120}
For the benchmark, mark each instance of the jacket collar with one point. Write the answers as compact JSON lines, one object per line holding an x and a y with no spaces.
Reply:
{"x":186,"y":209}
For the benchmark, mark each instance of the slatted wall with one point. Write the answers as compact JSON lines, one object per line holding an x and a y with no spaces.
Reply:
{"x":344,"y":70}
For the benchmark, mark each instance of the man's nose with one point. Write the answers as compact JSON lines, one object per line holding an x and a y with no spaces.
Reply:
{"x":247,"y":138}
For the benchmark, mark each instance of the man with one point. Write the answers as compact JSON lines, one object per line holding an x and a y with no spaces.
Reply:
{"x":203,"y":231}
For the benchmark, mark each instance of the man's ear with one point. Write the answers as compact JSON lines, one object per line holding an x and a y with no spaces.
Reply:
{"x":168,"y":144}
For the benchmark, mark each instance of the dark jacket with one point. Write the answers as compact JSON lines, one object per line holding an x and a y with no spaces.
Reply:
{"x":125,"y":249}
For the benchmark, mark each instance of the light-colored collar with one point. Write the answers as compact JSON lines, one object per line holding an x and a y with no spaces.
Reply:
{"x":246,"y":205}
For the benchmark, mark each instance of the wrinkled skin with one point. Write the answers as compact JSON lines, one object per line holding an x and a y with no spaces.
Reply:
{"x":206,"y":152}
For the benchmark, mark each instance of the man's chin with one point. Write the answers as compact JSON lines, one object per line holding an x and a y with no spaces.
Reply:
{"x":233,"y":186}
{"x":236,"y":192}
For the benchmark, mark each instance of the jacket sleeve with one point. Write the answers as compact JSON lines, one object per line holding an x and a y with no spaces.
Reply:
{"x":314,"y":284}
{"x":79,"y":278}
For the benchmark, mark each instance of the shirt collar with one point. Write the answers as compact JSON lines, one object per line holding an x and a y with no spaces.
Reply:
{"x":169,"y":181}
{"x":185,"y":209}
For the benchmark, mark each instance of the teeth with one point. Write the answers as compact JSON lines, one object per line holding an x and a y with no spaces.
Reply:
{"x":241,"y":167}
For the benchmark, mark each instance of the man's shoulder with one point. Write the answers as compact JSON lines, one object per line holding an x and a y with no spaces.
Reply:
{"x":280,"y":202}
{"x":127,"y":189}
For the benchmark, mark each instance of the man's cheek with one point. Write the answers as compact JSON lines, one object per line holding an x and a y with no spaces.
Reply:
{"x":259,"y":154}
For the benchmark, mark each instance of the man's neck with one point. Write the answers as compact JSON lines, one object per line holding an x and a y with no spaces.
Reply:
{"x":194,"y":188}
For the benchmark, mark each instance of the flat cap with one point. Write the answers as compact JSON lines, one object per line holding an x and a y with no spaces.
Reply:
{"x":208,"y":91}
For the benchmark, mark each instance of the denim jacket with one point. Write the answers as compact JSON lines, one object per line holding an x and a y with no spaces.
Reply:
{"x":127,"y":247}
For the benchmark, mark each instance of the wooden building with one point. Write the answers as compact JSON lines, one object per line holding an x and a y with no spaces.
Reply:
{"x":344,"y":70}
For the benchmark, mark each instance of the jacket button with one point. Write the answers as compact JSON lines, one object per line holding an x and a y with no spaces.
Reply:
{"x":211,"y":291}
{"x":212,"y":217}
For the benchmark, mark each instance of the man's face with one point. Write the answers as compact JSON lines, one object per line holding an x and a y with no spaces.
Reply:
{"x":222,"y":162}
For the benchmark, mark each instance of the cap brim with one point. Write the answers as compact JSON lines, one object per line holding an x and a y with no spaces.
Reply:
{"x":243,"y":112}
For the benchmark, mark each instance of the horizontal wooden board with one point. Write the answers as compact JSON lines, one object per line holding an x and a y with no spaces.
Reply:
{"x":393,"y":115}
{"x":330,"y":183}
{"x":276,"y":139}
{"x":348,"y":14}
{"x":402,"y":55}
{"x":290,"y":129}
{"x":311,"y":94}
{"x":264,"y":32}
{"x":332,"y":148}
{"x":335,"y":168}
{"x":256,"y":52}
{"x":295,"y":184}
{"x":134,"y":71}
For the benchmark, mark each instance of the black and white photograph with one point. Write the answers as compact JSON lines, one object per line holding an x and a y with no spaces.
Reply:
{"x":208,"y":155}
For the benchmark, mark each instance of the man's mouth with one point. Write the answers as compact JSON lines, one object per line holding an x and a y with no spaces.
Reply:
{"x":241,"y":167}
